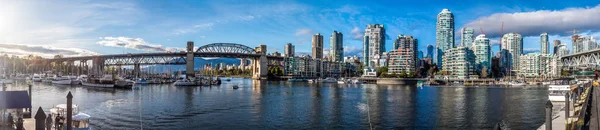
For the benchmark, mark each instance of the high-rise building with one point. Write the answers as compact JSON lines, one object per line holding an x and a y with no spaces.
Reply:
{"x":512,"y":48}
{"x":555,"y":48}
{"x":459,"y":62}
{"x":373,"y":43}
{"x":583,"y":43}
{"x":317,"y":46}
{"x":289,"y":50}
{"x":544,"y":43}
{"x":529,"y":65}
{"x":430,"y":49}
{"x":405,"y":55}
{"x":562,"y":50}
{"x":336,"y":50}
{"x":444,"y":35}
{"x":420,"y":55}
{"x":481,"y":48}
{"x":466,"y":37}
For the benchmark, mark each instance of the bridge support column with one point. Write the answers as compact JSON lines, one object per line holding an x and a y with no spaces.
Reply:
{"x":189,"y":60}
{"x":136,"y":70}
{"x":259,"y":68}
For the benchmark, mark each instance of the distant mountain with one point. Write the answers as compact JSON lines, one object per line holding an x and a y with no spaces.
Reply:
{"x":198,"y":64}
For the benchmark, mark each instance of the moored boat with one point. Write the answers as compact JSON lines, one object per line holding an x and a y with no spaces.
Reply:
{"x":104,"y":82}
{"x":556,"y":93}
{"x":62,"y":80}
{"x":124,"y":83}
{"x":36,"y":78}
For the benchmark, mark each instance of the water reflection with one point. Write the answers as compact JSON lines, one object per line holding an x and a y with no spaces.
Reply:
{"x":286,"y":105}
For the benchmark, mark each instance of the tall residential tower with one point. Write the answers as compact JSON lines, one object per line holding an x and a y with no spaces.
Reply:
{"x":336,"y":52}
{"x":373,"y":43}
{"x":444,"y":35}
{"x":289,"y":50}
{"x":544,"y":43}
{"x":317,"y":46}
{"x":466,"y":37}
{"x":512,"y":45}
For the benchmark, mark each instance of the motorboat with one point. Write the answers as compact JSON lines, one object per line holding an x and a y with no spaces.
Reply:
{"x":185,"y":82}
{"x":47,"y":80}
{"x":342,"y":81}
{"x":105,"y":82}
{"x":517,"y":84}
{"x":556,"y":93}
{"x":81,"y":121}
{"x":75,"y":80}
{"x":62,"y":80}
{"x":356,"y":81}
{"x":37,"y":78}
{"x":124,"y":83}
{"x":311,"y":81}
{"x":235,"y":87}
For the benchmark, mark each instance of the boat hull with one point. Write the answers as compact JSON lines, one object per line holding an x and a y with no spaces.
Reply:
{"x":556,"y":98}
{"x":185,"y":84}
{"x":98,"y":85}
{"x":62,"y":82}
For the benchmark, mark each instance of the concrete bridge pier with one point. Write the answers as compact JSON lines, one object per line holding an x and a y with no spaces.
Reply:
{"x":259,"y":68}
{"x":136,"y":70}
{"x":189,"y":60}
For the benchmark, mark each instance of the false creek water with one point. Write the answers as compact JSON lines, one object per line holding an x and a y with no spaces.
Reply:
{"x":286,"y":105}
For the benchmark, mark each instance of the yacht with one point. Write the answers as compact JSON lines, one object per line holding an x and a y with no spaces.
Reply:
{"x":556,"y":93}
{"x":75,"y":80}
{"x":81,"y":121}
{"x":104,"y":82}
{"x":342,"y":81}
{"x":62,"y":80}
{"x":356,"y":81}
{"x":311,"y":81}
{"x":185,"y":82}
{"x":47,"y":80}
{"x":37,"y":78}
{"x":517,"y":84}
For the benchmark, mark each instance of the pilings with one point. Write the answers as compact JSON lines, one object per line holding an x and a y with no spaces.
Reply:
{"x":69,"y":111}
{"x":40,"y":119}
{"x":548,"y":115}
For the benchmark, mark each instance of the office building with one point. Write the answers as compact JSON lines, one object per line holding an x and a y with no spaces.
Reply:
{"x":544,"y":43}
{"x":317,"y":46}
{"x":466,"y":37}
{"x":373,"y":43}
{"x":482,"y":50}
{"x":512,"y":48}
{"x":430,"y":49}
{"x":555,"y":48}
{"x":458,"y":63}
{"x":444,"y":35}
{"x":336,"y":50}
{"x":289,"y":50}
{"x":583,"y":43}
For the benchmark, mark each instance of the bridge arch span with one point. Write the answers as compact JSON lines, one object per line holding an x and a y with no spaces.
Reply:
{"x":226,"y":48}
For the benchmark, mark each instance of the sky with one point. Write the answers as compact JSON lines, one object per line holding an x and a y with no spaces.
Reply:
{"x":79,"y":28}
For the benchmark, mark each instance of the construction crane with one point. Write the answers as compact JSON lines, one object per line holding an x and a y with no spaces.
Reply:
{"x":482,"y":31}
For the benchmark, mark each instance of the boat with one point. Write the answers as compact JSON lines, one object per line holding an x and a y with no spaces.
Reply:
{"x":62,"y":80}
{"x":420,"y":83}
{"x":329,"y":80}
{"x":185,"y":82}
{"x":311,"y":81}
{"x":517,"y":84}
{"x":296,"y":80}
{"x":341,"y":81}
{"x":556,"y":93}
{"x":37,"y":78}
{"x":123,"y":83}
{"x":104,"y":82}
{"x":356,"y":81}
{"x":235,"y":87}
{"x":47,"y":80}
{"x":229,"y":79}
{"x":141,"y":81}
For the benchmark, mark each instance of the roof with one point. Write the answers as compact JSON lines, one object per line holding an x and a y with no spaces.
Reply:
{"x":14,"y":100}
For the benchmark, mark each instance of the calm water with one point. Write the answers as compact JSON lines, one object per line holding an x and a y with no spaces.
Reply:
{"x":284,"y":105}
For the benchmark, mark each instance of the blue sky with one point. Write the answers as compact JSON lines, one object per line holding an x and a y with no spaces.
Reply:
{"x":75,"y":28}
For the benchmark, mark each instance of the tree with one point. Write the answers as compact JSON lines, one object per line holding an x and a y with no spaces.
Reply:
{"x":564,"y":73}
{"x":382,"y":70}
{"x":402,"y":74}
{"x":484,"y":73}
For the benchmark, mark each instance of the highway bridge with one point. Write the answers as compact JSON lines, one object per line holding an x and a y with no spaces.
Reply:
{"x":259,"y":60}
{"x":582,"y":60}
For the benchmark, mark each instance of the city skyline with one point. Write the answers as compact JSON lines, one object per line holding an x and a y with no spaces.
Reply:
{"x":116,"y":27}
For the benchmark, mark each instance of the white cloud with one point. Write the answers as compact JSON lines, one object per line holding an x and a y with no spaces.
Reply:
{"x":494,"y":42}
{"x":135,"y":43}
{"x":357,"y":33}
{"x":352,"y":51}
{"x":195,"y":28}
{"x":530,"y":50}
{"x":536,"y":22}
{"x":304,"y":32}
{"x":44,"y":51}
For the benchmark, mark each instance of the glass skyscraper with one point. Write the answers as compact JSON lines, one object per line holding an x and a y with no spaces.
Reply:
{"x":544,"y":43}
{"x":481,"y":48}
{"x":336,"y":47}
{"x":317,"y":46}
{"x":373,"y":43}
{"x":512,"y":44}
{"x":430,"y":49}
{"x":444,"y":35}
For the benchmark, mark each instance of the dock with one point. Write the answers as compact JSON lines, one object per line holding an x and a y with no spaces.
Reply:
{"x":582,"y":108}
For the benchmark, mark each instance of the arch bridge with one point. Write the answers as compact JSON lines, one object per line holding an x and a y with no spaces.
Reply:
{"x":259,"y":59}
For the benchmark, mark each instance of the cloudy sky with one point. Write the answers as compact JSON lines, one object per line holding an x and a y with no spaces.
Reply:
{"x":75,"y":28}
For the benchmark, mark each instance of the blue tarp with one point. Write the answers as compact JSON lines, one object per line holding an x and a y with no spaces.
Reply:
{"x":14,"y":100}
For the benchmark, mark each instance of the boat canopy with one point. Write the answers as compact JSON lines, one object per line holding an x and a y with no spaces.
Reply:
{"x":81,"y":117}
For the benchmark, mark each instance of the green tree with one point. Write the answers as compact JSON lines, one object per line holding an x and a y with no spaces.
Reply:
{"x":484,"y":72}
{"x":402,"y":74}
{"x":382,"y":70}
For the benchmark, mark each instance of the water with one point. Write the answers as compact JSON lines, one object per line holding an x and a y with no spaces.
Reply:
{"x":284,"y":105}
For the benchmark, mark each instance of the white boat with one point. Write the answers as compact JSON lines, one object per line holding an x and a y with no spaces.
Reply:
{"x":124,"y":83}
{"x":311,"y":81}
{"x":81,"y":121}
{"x":185,"y":82}
{"x":329,"y":80}
{"x":341,"y":81}
{"x":517,"y":84}
{"x":37,"y":78}
{"x":556,"y":93}
{"x":62,"y":80}
{"x":104,"y":82}
{"x":356,"y":81}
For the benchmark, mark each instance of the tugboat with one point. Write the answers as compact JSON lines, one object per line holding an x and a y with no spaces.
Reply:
{"x":104,"y":82}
